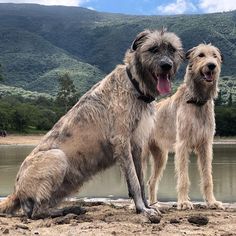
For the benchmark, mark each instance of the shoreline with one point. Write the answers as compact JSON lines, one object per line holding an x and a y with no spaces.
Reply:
{"x":14,"y":139}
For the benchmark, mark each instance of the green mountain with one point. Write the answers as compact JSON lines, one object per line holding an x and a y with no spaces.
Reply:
{"x":39,"y":42}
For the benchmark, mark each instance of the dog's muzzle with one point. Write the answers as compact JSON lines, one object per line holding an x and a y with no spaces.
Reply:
{"x":166,"y":64}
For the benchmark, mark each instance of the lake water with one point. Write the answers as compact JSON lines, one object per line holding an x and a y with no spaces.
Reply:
{"x":111,"y":183}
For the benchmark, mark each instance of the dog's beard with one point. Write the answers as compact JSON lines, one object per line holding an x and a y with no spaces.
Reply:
{"x":200,"y":88}
{"x":156,"y":81}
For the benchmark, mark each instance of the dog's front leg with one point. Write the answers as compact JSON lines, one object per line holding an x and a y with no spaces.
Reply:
{"x":137,"y":158}
{"x":183,"y":183}
{"x":122,"y":152}
{"x":204,"y":154}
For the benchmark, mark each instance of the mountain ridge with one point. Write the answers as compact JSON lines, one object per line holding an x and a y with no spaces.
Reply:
{"x":57,"y":39}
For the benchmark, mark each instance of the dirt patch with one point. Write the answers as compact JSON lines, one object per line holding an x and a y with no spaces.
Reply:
{"x":21,"y":139}
{"x":35,"y":139}
{"x":120,"y":219}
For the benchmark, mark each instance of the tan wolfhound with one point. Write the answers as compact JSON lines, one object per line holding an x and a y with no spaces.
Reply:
{"x":185,"y":122}
{"x":108,"y":124}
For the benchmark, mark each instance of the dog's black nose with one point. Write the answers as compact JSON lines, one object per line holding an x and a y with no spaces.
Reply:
{"x":211,"y":66}
{"x":166,"y":66}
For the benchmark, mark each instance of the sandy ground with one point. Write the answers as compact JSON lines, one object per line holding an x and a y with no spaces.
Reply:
{"x":21,"y":139}
{"x":35,"y":139}
{"x":120,"y":219}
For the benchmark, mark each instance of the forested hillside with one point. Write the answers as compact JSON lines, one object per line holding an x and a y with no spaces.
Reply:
{"x":39,"y":43}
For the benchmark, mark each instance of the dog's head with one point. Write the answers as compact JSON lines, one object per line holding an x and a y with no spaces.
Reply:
{"x":204,"y":64}
{"x":156,"y":56}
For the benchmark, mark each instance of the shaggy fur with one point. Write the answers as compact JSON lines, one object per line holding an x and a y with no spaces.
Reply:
{"x":109,"y":124}
{"x":185,"y":122}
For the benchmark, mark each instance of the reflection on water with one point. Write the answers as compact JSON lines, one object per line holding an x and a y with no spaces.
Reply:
{"x":111,"y":182}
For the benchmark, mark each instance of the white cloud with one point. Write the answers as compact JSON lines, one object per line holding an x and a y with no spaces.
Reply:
{"x":217,"y":5}
{"x":177,"y":7}
{"x":49,"y":2}
{"x":91,"y":8}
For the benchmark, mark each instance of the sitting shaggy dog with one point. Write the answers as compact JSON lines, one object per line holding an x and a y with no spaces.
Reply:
{"x":110,"y":123}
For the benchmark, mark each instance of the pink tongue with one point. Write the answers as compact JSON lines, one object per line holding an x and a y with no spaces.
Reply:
{"x":163,"y":84}
{"x":208,"y":77}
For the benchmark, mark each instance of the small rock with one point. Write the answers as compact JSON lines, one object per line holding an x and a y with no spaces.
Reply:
{"x":25,"y":220}
{"x":3,"y":223}
{"x":21,"y":226}
{"x":174,"y":221}
{"x":47,"y":224}
{"x":198,"y":220}
{"x":154,"y":219}
{"x":61,"y":220}
{"x":73,"y":224}
{"x":5,"y":231}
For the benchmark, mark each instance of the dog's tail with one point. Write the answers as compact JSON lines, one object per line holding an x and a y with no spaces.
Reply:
{"x":10,"y":204}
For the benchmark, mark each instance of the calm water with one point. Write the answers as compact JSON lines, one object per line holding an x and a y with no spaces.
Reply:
{"x":111,"y":182}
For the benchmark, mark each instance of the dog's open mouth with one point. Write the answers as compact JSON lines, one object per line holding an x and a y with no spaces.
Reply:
{"x":163,"y":84}
{"x":208,"y":76}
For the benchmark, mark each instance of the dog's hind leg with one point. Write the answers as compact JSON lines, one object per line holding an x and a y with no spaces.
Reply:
{"x":159,"y":163}
{"x":183,"y":183}
{"x":29,"y":207}
{"x":204,"y":154}
{"x":40,"y":176}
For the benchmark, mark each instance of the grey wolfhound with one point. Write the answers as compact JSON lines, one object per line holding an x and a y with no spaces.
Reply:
{"x":109,"y":124}
{"x":186,"y":122}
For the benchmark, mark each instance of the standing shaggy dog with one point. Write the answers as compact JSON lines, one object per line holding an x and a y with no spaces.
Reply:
{"x":110,"y":123}
{"x":186,"y":122}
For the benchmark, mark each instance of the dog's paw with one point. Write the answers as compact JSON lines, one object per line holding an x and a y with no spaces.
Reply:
{"x":185,"y":205}
{"x":215,"y":205}
{"x":153,"y":215}
{"x":154,"y":205}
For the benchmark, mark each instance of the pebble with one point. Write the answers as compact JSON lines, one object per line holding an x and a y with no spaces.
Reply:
{"x":154,"y":219}
{"x":5,"y":231}
{"x":174,"y":221}
{"x":198,"y":220}
{"x":21,"y":226}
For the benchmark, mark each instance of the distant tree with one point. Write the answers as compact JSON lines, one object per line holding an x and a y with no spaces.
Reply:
{"x":4,"y":119}
{"x":225,"y":121}
{"x":218,"y":101}
{"x":67,"y":94}
{"x":230,"y":100}
{"x":46,"y":119}
{"x":20,"y":118}
{"x":1,"y":76}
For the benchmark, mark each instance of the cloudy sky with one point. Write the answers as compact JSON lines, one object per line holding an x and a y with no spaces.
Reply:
{"x":144,"y":7}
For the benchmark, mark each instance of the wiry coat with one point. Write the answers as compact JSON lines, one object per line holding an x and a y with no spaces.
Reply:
{"x":108,"y":124}
{"x":185,"y":122}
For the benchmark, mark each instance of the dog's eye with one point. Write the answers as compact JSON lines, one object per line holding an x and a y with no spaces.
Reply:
{"x":214,"y":55}
{"x":171,"y":48}
{"x":153,"y":49}
{"x":201,"y":55}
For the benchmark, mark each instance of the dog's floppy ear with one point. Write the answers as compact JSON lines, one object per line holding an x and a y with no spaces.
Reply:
{"x":139,"y":39}
{"x":187,"y":54}
{"x":221,"y":55}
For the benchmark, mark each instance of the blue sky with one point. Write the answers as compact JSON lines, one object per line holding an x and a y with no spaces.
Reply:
{"x":144,"y":7}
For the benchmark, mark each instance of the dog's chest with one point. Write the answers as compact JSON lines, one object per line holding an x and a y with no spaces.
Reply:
{"x":196,"y":124}
{"x":144,"y":127}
